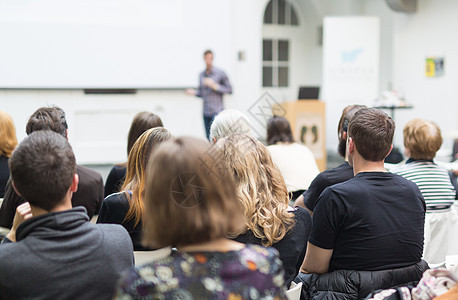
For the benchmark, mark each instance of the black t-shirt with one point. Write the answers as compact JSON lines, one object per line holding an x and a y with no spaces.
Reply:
{"x":372,"y":222}
{"x":114,"y":209}
{"x":4,"y":174}
{"x":115,"y":179}
{"x":292,"y":247}
{"x":327,"y":178}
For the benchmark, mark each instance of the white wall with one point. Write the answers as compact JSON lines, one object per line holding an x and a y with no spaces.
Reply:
{"x":109,"y":43}
{"x":98,"y":124}
{"x":430,"y":31}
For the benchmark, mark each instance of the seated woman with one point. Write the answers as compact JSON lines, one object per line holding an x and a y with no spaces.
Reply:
{"x":262,"y":192}
{"x":142,"y":121}
{"x":422,"y":139}
{"x":295,"y":161}
{"x":126,"y":207}
{"x":189,"y":203}
{"x":8,"y":142}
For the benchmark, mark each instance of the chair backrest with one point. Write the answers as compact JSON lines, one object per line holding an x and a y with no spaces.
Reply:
{"x":144,"y":257}
{"x":294,"y":293}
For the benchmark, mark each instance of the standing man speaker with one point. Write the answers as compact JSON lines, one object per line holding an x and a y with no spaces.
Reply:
{"x":213,"y":83}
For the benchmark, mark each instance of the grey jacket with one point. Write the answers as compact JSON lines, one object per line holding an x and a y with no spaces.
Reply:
{"x":63,"y":256}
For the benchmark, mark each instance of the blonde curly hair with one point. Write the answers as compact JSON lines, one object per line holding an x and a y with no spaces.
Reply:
{"x":260,"y":188}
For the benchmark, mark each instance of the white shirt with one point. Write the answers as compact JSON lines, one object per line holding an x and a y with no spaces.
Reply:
{"x":296,"y":163}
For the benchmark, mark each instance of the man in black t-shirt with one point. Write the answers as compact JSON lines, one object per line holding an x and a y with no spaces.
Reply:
{"x":336,"y":175}
{"x":373,"y":221}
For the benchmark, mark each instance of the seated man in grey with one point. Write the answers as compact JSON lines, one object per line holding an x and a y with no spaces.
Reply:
{"x":367,"y":232}
{"x":56,"y":253}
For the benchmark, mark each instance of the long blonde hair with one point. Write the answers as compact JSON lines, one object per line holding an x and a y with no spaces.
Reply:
{"x":134,"y":184}
{"x":260,"y":188}
{"x":8,"y":139}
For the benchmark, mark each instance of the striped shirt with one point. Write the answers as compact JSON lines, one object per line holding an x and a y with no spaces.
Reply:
{"x":433,"y":182}
{"x":213,"y":100}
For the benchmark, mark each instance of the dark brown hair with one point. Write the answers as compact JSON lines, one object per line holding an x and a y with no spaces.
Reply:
{"x":142,"y":122}
{"x":345,"y":119}
{"x":422,"y":138}
{"x":190,"y":195}
{"x":279,"y":130}
{"x":372,"y":132}
{"x":208,"y":52}
{"x":42,"y":168}
{"x":48,"y":118}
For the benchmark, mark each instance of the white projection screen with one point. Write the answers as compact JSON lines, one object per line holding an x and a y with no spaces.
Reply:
{"x":110,"y":43}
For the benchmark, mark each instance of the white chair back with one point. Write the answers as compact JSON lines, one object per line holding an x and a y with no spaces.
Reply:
{"x":294,"y":293}
{"x":144,"y":257}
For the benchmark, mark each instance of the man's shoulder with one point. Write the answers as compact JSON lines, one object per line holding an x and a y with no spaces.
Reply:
{"x":109,"y":230}
{"x":117,"y":202}
{"x":87,"y":174}
{"x":302,"y":215}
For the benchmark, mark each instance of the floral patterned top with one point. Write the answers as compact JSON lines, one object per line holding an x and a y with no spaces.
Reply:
{"x":253,"y":272}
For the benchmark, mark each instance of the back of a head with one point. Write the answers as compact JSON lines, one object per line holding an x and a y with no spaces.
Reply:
{"x":8,"y":139}
{"x":42,"y":168}
{"x":229,"y":121}
{"x":142,"y":121}
{"x":136,"y":166}
{"x":189,"y":188}
{"x":279,"y":130}
{"x":422,"y":138}
{"x":372,"y":132}
{"x":48,"y":118}
{"x":345,"y":118}
{"x":259,"y":184}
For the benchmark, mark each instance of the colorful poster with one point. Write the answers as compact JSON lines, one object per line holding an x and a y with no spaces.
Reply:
{"x":434,"y":66}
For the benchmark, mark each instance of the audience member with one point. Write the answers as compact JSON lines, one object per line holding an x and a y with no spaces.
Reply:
{"x":295,"y":161}
{"x":189,"y":203}
{"x":8,"y":142}
{"x":368,"y":231}
{"x":126,"y":207}
{"x":263,"y":194}
{"x":142,"y":121}
{"x":422,"y":139}
{"x":227,"y":122}
{"x":90,"y":186}
{"x":336,"y":175}
{"x":56,"y":253}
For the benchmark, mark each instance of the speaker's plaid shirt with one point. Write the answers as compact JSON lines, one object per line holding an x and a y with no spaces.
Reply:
{"x":213,"y":99}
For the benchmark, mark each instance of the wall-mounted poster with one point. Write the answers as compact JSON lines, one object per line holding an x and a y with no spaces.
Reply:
{"x":434,"y":66}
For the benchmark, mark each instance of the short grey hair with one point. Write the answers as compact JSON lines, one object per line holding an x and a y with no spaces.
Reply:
{"x":227,"y":122}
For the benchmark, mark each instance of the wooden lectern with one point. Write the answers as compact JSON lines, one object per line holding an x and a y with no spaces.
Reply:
{"x":307,"y":119}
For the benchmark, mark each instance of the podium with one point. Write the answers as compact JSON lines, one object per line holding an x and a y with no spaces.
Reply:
{"x":307,"y":119}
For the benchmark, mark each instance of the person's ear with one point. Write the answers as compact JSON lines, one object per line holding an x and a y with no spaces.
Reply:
{"x":75,"y":181}
{"x":391,"y":148}
{"x":15,"y":189}
{"x":350,"y":145}
{"x":214,"y":140}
